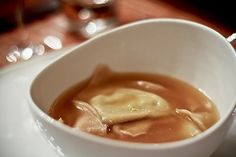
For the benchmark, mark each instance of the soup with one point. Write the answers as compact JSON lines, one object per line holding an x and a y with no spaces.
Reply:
{"x":135,"y":107}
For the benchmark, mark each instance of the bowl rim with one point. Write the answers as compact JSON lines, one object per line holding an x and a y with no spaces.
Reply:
{"x":132,"y":145}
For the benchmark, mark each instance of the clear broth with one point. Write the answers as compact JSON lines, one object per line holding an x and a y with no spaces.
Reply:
{"x":169,"y":128}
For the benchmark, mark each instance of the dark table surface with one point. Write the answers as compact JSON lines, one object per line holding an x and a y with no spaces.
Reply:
{"x":55,"y":24}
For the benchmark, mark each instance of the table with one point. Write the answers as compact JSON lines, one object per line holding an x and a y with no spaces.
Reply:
{"x":127,"y":11}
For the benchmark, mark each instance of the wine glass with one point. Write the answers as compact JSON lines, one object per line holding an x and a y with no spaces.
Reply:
{"x":90,"y":17}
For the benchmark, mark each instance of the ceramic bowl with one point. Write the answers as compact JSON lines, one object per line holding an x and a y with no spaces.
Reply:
{"x":182,"y":49}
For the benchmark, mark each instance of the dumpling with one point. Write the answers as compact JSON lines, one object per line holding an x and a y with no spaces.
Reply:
{"x":126,"y":104}
{"x":189,"y":129}
{"x":133,"y":129}
{"x":89,"y":120}
{"x":196,"y":118}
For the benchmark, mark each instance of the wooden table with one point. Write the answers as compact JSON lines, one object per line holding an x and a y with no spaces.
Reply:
{"x":127,"y":11}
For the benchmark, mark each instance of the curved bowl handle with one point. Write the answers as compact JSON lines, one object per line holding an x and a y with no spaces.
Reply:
{"x":232,"y":38}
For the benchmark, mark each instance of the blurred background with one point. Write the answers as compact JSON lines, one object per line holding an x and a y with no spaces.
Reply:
{"x":30,"y":28}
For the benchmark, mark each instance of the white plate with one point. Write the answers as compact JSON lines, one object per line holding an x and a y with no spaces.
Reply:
{"x":19,"y":136}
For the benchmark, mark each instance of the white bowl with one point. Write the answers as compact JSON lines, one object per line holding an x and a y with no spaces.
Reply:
{"x":182,"y":49}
